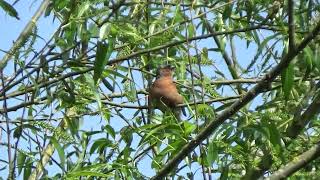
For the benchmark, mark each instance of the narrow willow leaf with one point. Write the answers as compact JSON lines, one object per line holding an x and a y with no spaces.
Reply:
{"x":177,"y":17}
{"x":188,"y":127}
{"x":191,"y":31}
{"x":60,"y":152}
{"x":17,"y":132}
{"x":102,"y":142}
{"x":21,"y":161}
{"x":227,"y":12}
{"x":100,"y":61}
{"x":27,"y":169}
{"x":88,"y":173}
{"x":83,"y":9}
{"x":275,"y":137}
{"x":109,"y":129}
{"x":104,"y":31}
{"x":9,"y":9}
{"x":156,"y":129}
{"x":108,"y":85}
{"x":316,"y":57}
{"x":73,"y":125}
{"x":309,"y":57}
{"x":94,"y":90}
{"x":103,"y":54}
{"x":287,"y":79}
{"x":212,"y":153}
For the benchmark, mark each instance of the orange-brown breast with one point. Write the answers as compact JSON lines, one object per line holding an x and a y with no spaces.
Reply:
{"x":164,"y":91}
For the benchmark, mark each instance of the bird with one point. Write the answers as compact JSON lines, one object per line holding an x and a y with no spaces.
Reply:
{"x":163,"y":93}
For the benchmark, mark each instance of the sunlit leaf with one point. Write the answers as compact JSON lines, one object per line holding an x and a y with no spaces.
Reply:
{"x":88,"y":173}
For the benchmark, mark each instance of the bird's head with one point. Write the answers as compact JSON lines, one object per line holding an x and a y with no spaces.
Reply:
{"x":165,"y":71}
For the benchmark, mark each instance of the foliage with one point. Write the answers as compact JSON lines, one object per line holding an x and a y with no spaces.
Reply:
{"x":84,"y":93}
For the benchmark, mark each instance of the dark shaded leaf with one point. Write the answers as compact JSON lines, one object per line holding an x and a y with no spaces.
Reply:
{"x":21,"y":157}
{"x":212,"y":153}
{"x":103,"y":54}
{"x":9,"y":9}
{"x":287,"y":79}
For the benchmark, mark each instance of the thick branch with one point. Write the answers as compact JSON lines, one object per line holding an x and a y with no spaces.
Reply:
{"x":296,"y":164}
{"x":300,"y":121}
{"x":291,"y":24}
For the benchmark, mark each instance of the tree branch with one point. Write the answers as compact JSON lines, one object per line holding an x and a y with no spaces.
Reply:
{"x":300,"y":121}
{"x":24,"y":35}
{"x":291,"y":30}
{"x":296,"y":164}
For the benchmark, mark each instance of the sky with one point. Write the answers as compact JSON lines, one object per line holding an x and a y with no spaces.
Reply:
{"x":12,"y":27}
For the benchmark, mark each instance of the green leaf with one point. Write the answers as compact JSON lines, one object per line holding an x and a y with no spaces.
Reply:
{"x":287,"y":79}
{"x":188,"y":127}
{"x":94,"y":90}
{"x":104,"y":31}
{"x":108,"y":72}
{"x":159,"y":129}
{"x":309,"y":57}
{"x":85,"y":7}
{"x":17,"y":132}
{"x":177,"y":17}
{"x":103,"y":54}
{"x":227,"y":12}
{"x":212,"y":153}
{"x":100,"y":144}
{"x":27,"y":169}
{"x":108,"y":85}
{"x":275,"y":137}
{"x":88,"y":173}
{"x":317,"y":57}
{"x":48,"y":10}
{"x":110,"y":130}
{"x":60,"y":152}
{"x":127,"y":134}
{"x":100,"y":61}
{"x":21,"y":161}
{"x":9,"y":9}
{"x":73,"y":125}
{"x":191,"y":31}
